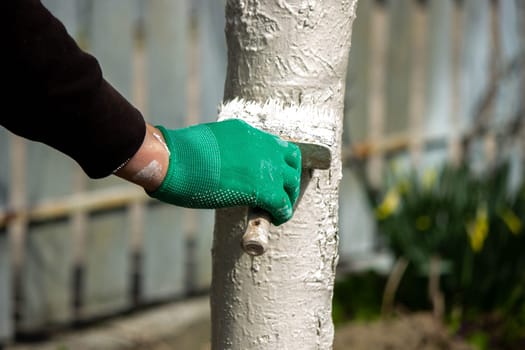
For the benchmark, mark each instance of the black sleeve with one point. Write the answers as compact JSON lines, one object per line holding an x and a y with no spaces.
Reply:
{"x":55,"y":92}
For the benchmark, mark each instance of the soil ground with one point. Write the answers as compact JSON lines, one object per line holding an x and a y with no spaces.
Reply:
{"x":408,"y":332}
{"x":186,"y":326}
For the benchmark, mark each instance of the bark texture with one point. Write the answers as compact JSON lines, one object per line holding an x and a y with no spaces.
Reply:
{"x":294,"y":52}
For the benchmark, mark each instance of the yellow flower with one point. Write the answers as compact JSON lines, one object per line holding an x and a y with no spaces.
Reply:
{"x":478,"y":229}
{"x":389,"y":205}
{"x":512,"y":221}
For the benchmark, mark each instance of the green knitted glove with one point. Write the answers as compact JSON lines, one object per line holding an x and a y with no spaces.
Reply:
{"x":230,"y":163}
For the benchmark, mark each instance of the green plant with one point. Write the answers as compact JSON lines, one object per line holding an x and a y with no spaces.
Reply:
{"x":357,"y":297}
{"x":475,"y":226}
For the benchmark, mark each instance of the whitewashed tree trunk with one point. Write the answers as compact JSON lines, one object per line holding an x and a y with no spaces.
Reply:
{"x":295,"y":51}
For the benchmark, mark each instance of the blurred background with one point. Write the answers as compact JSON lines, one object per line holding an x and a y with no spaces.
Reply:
{"x":432,"y":201}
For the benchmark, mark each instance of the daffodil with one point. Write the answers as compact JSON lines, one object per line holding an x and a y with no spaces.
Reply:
{"x":389,"y":204}
{"x":478,"y":229}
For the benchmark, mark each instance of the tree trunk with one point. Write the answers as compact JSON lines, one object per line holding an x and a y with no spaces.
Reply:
{"x":295,"y":52}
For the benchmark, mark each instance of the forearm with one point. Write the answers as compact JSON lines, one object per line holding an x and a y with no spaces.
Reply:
{"x":59,"y":94}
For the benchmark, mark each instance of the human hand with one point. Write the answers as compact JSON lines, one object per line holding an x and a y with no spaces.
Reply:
{"x":230,"y":163}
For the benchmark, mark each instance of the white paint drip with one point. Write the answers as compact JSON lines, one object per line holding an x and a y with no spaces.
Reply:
{"x":150,"y":172}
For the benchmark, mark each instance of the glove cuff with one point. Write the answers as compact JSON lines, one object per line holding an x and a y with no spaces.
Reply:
{"x":194,"y":166}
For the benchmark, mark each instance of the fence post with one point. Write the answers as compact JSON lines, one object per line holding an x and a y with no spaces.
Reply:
{"x":294,"y":52}
{"x":106,"y":241}
{"x":166,"y":38}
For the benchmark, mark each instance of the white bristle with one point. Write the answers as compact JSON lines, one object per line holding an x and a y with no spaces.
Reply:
{"x":307,"y":123}
{"x":237,"y":108}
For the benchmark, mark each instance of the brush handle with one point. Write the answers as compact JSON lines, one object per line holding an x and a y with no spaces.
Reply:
{"x":255,"y":239}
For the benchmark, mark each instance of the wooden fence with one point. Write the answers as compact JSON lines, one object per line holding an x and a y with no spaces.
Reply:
{"x":424,"y":77}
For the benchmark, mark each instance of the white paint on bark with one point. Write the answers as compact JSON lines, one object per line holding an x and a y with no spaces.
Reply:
{"x":295,"y":53}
